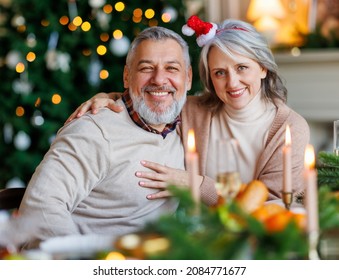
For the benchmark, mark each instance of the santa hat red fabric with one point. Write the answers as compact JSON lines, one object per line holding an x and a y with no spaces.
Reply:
{"x":204,"y":31}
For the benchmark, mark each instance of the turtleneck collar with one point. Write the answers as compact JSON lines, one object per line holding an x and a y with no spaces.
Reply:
{"x":252,"y":111}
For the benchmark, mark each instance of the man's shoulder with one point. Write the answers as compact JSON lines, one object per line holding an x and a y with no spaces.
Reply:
{"x":91,"y":122}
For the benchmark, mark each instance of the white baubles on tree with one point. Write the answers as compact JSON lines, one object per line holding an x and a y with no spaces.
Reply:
{"x":96,"y":3}
{"x":94,"y":71}
{"x":22,"y":141}
{"x":119,"y":47}
{"x":13,"y":58}
{"x":8,"y":132}
{"x":37,"y":118}
{"x":172,"y":12}
{"x":15,"y":182}
{"x":31,"y":40}
{"x":56,"y":60}
{"x":22,"y":86}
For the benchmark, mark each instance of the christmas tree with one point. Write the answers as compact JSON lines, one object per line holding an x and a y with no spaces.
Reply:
{"x":56,"y":54}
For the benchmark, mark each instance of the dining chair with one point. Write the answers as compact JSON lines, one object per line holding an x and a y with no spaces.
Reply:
{"x":11,"y":198}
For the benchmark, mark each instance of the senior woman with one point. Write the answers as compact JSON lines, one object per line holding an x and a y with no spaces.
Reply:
{"x":243,"y":98}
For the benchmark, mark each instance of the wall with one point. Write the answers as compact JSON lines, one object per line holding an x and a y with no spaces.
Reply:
{"x":312,"y":80}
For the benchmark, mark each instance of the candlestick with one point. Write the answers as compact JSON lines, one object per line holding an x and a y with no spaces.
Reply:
{"x":287,"y":162}
{"x":287,"y":195}
{"x":311,"y":201}
{"x":192,"y":167}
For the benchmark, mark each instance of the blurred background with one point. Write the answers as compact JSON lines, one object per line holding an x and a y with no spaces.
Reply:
{"x":56,"y":54}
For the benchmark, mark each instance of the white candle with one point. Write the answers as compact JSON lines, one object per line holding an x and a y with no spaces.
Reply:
{"x":311,"y":197}
{"x":287,"y":162}
{"x":192,"y":167}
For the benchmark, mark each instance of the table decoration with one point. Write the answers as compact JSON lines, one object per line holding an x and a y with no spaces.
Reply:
{"x":192,"y":167}
{"x":228,"y":231}
{"x":311,"y":201}
{"x":287,"y":194}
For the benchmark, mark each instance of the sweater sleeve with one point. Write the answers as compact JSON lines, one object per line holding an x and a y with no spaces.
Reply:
{"x":208,"y":191}
{"x":270,"y":164}
{"x":74,"y":164}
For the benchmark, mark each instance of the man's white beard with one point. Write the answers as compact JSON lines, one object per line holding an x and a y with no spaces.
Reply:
{"x":156,"y":118}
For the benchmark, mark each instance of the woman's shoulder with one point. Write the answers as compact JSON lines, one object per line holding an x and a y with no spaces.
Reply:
{"x":293,"y":119}
{"x":194,"y":102}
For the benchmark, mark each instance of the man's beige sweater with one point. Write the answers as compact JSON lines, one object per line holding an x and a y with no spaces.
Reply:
{"x":86,"y":182}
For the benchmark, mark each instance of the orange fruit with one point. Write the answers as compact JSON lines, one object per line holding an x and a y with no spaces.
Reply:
{"x":300,"y":220}
{"x":267,"y":210}
{"x":279,"y":221}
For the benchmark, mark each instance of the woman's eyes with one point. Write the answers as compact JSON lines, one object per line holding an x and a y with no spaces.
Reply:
{"x":224,"y":73}
{"x":240,"y":68}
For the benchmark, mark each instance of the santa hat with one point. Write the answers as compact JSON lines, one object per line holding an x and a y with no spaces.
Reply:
{"x":204,"y":31}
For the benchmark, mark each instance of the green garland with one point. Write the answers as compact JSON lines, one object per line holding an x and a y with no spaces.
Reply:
{"x":227,"y":233}
{"x":223,"y":233}
{"x":328,"y":170}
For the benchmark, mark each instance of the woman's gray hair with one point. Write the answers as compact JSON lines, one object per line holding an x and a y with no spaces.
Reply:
{"x":236,"y":36}
{"x":157,"y":33}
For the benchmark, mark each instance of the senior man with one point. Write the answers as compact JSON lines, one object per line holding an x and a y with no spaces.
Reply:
{"x":85,"y":182}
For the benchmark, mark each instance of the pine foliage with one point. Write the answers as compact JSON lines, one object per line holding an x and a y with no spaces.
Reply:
{"x":328,"y":170}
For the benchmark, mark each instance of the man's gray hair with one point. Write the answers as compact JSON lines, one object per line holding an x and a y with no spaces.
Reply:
{"x":157,"y":33}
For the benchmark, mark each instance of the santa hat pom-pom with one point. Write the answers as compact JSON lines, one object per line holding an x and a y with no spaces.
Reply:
{"x":186,"y":30}
{"x":204,"y":38}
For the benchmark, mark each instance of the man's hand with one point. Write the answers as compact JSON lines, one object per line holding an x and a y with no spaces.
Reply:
{"x":100,"y":100}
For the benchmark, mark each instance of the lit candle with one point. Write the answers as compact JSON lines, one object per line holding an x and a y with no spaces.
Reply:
{"x":311,"y":197}
{"x":192,"y":167}
{"x":287,"y":162}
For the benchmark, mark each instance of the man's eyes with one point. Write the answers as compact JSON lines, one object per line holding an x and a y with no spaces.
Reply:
{"x":148,"y":69}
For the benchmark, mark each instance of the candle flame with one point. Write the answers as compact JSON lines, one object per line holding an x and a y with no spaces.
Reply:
{"x":288,"y":136}
{"x":191,"y":141}
{"x":309,"y":157}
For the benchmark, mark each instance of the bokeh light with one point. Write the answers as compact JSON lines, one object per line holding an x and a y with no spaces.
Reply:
{"x":119,"y":6}
{"x":117,"y":34}
{"x":101,"y":50}
{"x":166,"y":17}
{"x":56,"y":98}
{"x":107,"y":9}
{"x":64,"y":20}
{"x":104,"y":37}
{"x":137,"y":12}
{"x":77,"y":21}
{"x":103,"y":74}
{"x":20,"y":67}
{"x":149,"y":13}
{"x":86,"y":26}
{"x":30,"y":56}
{"x":86,"y":52}
{"x":19,"y":111}
{"x":72,"y":27}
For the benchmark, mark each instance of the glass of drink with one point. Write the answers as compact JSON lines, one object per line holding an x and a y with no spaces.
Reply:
{"x":228,"y":181}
